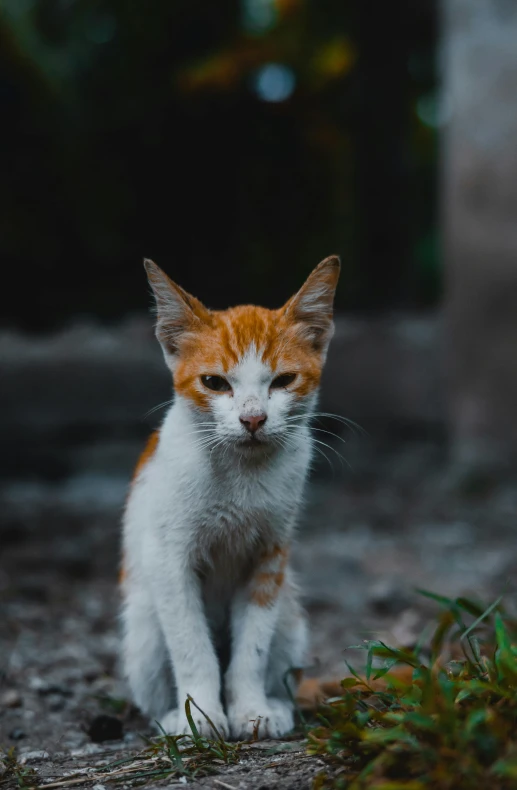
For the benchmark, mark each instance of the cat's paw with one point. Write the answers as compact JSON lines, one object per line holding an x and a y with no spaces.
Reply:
{"x":169,"y":723}
{"x":203,"y":726}
{"x":271,"y":718}
{"x":176,"y":723}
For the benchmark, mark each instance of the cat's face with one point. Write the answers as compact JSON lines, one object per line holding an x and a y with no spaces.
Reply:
{"x":249,"y":374}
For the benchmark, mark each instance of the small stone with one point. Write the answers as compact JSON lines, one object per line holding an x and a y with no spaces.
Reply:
{"x":105,"y":728}
{"x":3,"y":768}
{"x":36,"y":683}
{"x":53,"y":689}
{"x":11,"y":699}
{"x":55,"y":702}
{"x":33,"y":757}
{"x":99,"y":787}
{"x":16,"y":734}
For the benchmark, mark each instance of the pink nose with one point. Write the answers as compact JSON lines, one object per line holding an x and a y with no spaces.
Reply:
{"x":253,"y":422}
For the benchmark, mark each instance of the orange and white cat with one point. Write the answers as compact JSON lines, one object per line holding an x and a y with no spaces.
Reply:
{"x":211,"y":609}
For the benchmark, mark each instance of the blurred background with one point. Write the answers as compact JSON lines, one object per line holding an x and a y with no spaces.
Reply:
{"x":237,"y":144}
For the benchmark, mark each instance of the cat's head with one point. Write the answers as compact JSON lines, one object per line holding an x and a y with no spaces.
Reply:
{"x":247,"y":373}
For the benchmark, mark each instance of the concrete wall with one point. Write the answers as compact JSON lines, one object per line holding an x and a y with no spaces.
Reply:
{"x":479,"y":217}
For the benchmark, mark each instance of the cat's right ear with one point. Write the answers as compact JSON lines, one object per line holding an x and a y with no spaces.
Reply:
{"x":177,"y":311}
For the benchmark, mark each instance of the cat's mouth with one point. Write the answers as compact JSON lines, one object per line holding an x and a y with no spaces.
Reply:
{"x":252,"y":443}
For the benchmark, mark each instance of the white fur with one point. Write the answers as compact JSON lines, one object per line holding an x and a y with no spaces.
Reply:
{"x":203,"y":520}
{"x":197,"y":519}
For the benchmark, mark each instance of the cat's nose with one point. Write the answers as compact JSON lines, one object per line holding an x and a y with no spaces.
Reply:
{"x":252,"y":422}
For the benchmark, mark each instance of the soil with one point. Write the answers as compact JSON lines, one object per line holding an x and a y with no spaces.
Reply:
{"x":398,"y":518}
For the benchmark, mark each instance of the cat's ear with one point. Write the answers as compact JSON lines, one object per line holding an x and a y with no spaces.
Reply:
{"x":177,"y":311}
{"x":312,"y":307}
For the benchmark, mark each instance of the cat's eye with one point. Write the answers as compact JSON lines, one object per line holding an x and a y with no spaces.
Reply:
{"x":282,"y":381}
{"x":215,"y":383}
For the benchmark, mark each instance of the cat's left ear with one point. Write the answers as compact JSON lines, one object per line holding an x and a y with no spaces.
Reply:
{"x":312,"y":307}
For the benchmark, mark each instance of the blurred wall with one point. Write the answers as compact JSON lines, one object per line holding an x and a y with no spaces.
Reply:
{"x":479,"y":217}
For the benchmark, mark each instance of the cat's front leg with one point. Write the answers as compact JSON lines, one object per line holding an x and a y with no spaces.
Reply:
{"x":181,"y":613}
{"x":254,"y":618}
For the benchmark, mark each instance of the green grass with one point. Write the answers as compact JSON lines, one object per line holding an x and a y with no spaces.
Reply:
{"x":166,"y":756}
{"x":16,"y":774}
{"x":193,"y":754}
{"x":442,"y":716}
{"x":448,"y":723}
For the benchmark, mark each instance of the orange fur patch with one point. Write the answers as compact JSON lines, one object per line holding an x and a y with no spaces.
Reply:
{"x":147,"y":454}
{"x":269,"y":577}
{"x":216,"y":346}
{"x":206,"y":342}
{"x":268,"y":587}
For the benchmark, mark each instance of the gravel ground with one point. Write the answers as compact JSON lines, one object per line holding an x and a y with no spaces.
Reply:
{"x":398,"y":518}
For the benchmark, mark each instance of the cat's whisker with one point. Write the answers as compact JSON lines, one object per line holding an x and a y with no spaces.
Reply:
{"x":159,"y":406}
{"x":203,"y":435}
{"x":205,"y":441}
{"x":315,"y":415}
{"x":298,"y":419}
{"x":330,"y":433}
{"x":329,"y":447}
{"x":327,"y":459}
{"x":279,"y":439}
{"x":221,"y":441}
{"x":345,"y":420}
{"x":201,"y":431}
{"x":226,"y":451}
{"x":353,"y":427}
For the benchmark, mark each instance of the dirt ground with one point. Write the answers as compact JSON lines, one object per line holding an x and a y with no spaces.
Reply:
{"x":397,"y":518}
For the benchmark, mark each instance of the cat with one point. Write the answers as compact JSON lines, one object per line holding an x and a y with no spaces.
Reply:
{"x":210,"y":605}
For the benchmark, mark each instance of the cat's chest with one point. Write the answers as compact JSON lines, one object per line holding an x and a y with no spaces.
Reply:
{"x":238,"y":514}
{"x":227,"y":535}
{"x":244,"y":503}
{"x":233,"y":525}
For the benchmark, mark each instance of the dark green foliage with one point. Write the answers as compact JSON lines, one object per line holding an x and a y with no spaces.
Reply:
{"x":165,"y":756}
{"x":192,"y":755}
{"x":177,"y":755}
{"x":16,"y":775}
{"x":136,"y":130}
{"x":445,"y":723}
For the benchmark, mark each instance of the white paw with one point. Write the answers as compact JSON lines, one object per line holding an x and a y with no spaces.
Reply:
{"x":269,"y":719}
{"x":176,"y":723}
{"x":169,"y":723}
